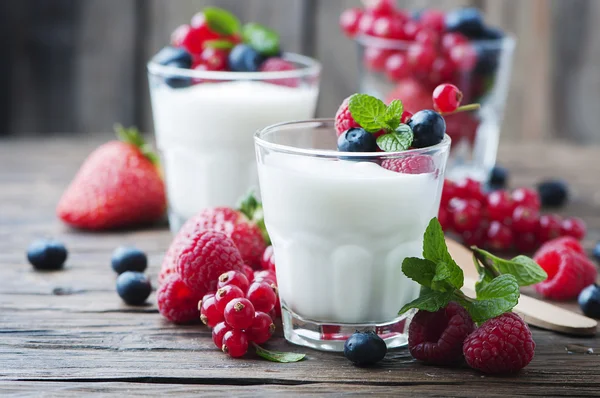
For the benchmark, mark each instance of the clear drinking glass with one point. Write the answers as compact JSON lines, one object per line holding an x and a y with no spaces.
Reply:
{"x":341,"y":224}
{"x":475,"y":135}
{"x":204,"y":122}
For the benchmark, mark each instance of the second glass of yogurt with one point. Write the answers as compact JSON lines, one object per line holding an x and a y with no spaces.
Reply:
{"x":341,"y":225}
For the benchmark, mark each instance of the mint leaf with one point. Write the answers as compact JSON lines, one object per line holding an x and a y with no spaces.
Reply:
{"x":395,"y":142}
{"x":277,"y":356}
{"x":419,"y":270}
{"x":524,"y":269}
{"x":394,"y":111}
{"x":220,"y":44}
{"x":429,"y":300}
{"x":367,"y":111}
{"x":261,"y":38}
{"x":447,"y":277}
{"x":435,"y":249}
{"x":494,"y":298}
{"x":221,"y":21}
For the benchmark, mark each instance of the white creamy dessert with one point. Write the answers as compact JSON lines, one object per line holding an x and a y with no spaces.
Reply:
{"x":340,"y":231}
{"x":205,"y":135}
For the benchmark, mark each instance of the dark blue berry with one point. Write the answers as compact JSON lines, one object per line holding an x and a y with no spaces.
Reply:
{"x":244,"y":58}
{"x":365,"y":348}
{"x":467,"y":21}
{"x":128,"y":259}
{"x":428,"y":128}
{"x":170,"y":55}
{"x":596,"y":251}
{"x":589,"y":301}
{"x":491,"y":33}
{"x":488,"y":57}
{"x":553,"y":193}
{"x":498,"y":178}
{"x":357,"y":140}
{"x":47,"y":254}
{"x":416,"y":14}
{"x":133,"y":287}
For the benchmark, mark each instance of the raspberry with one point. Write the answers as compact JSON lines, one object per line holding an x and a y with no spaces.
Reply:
{"x":276,"y":64}
{"x":343,"y":118}
{"x":239,"y":313}
{"x":565,"y":242}
{"x":414,"y":95}
{"x":406,"y":115}
{"x":501,"y":345}
{"x":268,"y":259}
{"x":437,"y":337}
{"x":218,"y":332}
{"x":205,"y":257}
{"x":176,"y":301}
{"x":234,"y":278}
{"x":574,"y":227}
{"x":235,"y":343}
{"x":262,"y":328}
{"x":412,"y":164}
{"x":214,"y":59}
{"x":568,"y":272}
{"x":262,"y":295}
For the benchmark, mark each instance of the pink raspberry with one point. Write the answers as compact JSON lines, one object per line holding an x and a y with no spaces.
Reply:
{"x":437,"y":337}
{"x":569,"y":272}
{"x":411,"y":164}
{"x":343,"y":118}
{"x":177,"y":302}
{"x":501,"y":345}
{"x":276,"y":64}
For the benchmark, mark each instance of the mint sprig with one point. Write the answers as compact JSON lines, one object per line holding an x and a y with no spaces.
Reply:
{"x":277,"y":356}
{"x":261,"y":38}
{"x":525,"y":270}
{"x":219,"y":44}
{"x":222,"y":21}
{"x":399,"y":140}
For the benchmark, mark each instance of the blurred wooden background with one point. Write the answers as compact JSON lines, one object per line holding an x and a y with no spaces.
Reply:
{"x":79,"y":65}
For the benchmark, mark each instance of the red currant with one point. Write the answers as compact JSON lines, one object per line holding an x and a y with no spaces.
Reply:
{"x":525,"y":220}
{"x":265,"y":276}
{"x":449,"y":191}
{"x":218,"y":332}
{"x":375,"y":58}
{"x":428,"y":37}
{"x":397,"y":67}
{"x":445,"y":219}
{"x":239,"y":313}
{"x":268,"y":260}
{"x":421,"y":56}
{"x":451,"y":40}
{"x":526,"y":197}
{"x":214,"y":59}
{"x":349,"y":20}
{"x":210,"y":315}
{"x":446,"y":98}
{"x":249,"y":272}
{"x":225,"y":294}
{"x":498,"y":236}
{"x":441,"y":71}
{"x":387,"y":27}
{"x":262,"y":328}
{"x":433,"y":19}
{"x":381,"y":7}
{"x":526,"y":243}
{"x":365,"y":25}
{"x":406,"y":115}
{"x":262,"y":295}
{"x":235,"y":343}
{"x":475,"y":237}
{"x":549,"y":227}
{"x":463,"y":57}
{"x":500,"y":206}
{"x":573,"y":226}
{"x":234,"y":278}
{"x":470,"y":189}
{"x":409,"y":30}
{"x":466,"y":215}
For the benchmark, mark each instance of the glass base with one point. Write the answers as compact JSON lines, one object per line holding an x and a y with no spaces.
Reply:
{"x":332,"y":336}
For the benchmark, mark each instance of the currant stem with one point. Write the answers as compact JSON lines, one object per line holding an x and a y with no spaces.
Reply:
{"x":464,"y":108}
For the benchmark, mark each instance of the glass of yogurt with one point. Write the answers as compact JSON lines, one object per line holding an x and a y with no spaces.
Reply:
{"x":341,"y":225}
{"x":204,"y":123}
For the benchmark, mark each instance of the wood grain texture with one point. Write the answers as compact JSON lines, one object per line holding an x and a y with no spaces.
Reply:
{"x":67,"y":333}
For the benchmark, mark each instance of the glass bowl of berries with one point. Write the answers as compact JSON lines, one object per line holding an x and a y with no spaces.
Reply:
{"x":344,"y":206}
{"x":211,"y":89}
{"x":405,"y":55}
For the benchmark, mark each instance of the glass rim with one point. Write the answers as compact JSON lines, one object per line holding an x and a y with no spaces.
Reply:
{"x":507,"y":42}
{"x":310,"y":67}
{"x":334,"y":154}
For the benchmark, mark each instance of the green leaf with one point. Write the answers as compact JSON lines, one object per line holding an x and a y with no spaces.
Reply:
{"x":220,"y":44}
{"x":524,"y":269}
{"x":419,"y":270}
{"x":277,"y":356}
{"x":222,"y":21}
{"x":429,"y":300}
{"x":435,"y":250}
{"x":451,"y":277}
{"x":261,"y":38}
{"x":495,"y":298}
{"x":367,"y":111}
{"x":131,"y":135}
{"x":395,"y":142}
{"x":394,"y":111}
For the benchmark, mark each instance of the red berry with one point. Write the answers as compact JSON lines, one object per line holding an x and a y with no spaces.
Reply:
{"x":412,"y":164}
{"x":566,"y":242}
{"x":406,"y":115}
{"x":343,"y":119}
{"x":466,"y":215}
{"x":235,"y":343}
{"x":500,"y":206}
{"x":463,"y":57}
{"x":215,"y":59}
{"x":210,"y":315}
{"x":449,"y":191}
{"x":380,"y":7}
{"x":176,"y":301}
{"x":445,"y":219}
{"x":421,"y":57}
{"x":500,"y":345}
{"x":268,"y":259}
{"x":437,"y":337}
{"x":218,"y":332}
{"x":349,"y":21}
{"x":199,"y":23}
{"x":276,"y":64}
{"x":365,"y":25}
{"x":239,"y":313}
{"x":451,"y":40}
{"x":526,"y":197}
{"x":476,"y":237}
{"x":409,"y":30}
{"x":525,"y":220}
{"x":574,"y":227}
{"x":375,"y":58}
{"x":262,"y":328}
{"x":549,"y":227}
{"x":194,"y":37}
{"x":526,"y":243}
{"x":234,"y":278}
{"x":433,"y":19}
{"x":225,"y":294}
{"x":387,"y":27}
{"x":441,"y":71}
{"x":428,"y":37}
{"x":470,"y":189}
{"x":249,"y":272}
{"x":498,"y":236}
{"x":446,"y":98}
{"x":262,"y":295}
{"x":397,"y":67}
{"x":179,"y":34}
{"x":265,"y":276}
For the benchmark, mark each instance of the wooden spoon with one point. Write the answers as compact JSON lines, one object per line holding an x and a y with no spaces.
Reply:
{"x":535,"y":312}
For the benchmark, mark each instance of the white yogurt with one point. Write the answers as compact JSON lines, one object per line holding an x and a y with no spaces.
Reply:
{"x":340,"y":232}
{"x":205,"y":135}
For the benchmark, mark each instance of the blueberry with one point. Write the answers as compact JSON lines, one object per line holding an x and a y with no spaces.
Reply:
{"x":47,"y":254}
{"x":357,"y":140}
{"x":365,"y":348}
{"x":596,"y":251}
{"x":417,"y":14}
{"x":467,"y":21}
{"x":498,"y":178}
{"x":428,"y":128}
{"x":491,"y":33}
{"x":553,"y":193}
{"x":174,"y":56}
{"x":133,"y":287}
{"x":488,"y":57}
{"x":244,"y":58}
{"x":128,"y":259}
{"x":589,"y":301}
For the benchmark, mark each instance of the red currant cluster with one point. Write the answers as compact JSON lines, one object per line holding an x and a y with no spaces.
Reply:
{"x":501,"y":220}
{"x":241,"y":312}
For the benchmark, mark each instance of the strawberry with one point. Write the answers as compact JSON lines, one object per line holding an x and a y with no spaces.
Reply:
{"x":119,"y":185}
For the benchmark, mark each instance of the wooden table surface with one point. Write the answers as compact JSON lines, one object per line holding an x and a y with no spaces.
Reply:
{"x":67,"y":333}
